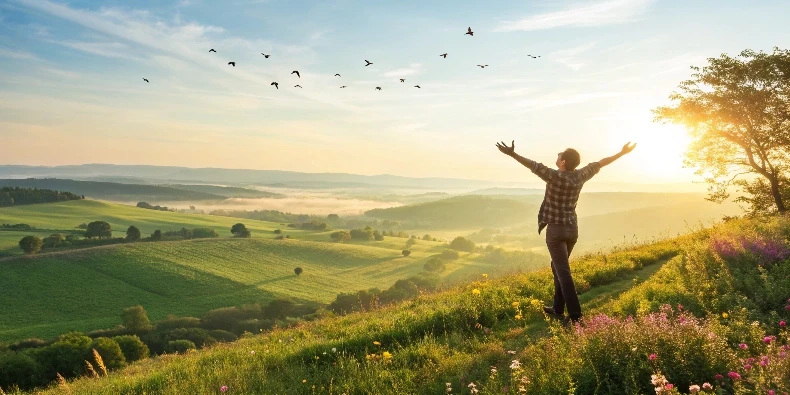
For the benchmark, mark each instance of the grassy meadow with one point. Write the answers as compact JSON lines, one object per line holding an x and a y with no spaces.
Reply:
{"x":705,"y":310}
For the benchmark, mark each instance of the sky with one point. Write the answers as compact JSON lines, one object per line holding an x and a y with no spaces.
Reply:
{"x":72,"y":89}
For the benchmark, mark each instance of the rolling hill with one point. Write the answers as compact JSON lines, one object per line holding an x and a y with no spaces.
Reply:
{"x":113,"y":190}
{"x":460,"y":211}
{"x":231,"y":192}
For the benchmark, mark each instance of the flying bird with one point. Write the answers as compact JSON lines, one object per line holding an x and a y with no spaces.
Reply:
{"x":402,"y":80}
{"x":482,"y":66}
{"x":417,"y":86}
{"x":342,"y":87}
{"x":232,"y":64}
{"x":444,"y":55}
{"x":378,"y":88}
{"x":368,"y":63}
{"x":470,"y":32}
{"x":297,"y":73}
{"x":145,"y":79}
{"x":265,"y":55}
{"x":276,"y":85}
{"x":533,"y":56}
{"x":337,"y":75}
{"x":295,"y":86}
{"x":212,"y":50}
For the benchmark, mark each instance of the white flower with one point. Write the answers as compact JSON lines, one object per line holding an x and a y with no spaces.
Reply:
{"x":694,"y":389}
{"x":334,"y":349}
{"x":252,"y":352}
{"x":515,"y":364}
{"x":511,"y":352}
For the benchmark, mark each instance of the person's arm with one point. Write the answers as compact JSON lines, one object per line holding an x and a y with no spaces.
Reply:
{"x":539,"y":169}
{"x":628,"y":147}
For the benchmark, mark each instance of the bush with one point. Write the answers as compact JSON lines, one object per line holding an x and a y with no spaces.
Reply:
{"x":410,"y":242}
{"x":406,"y":252}
{"x":449,"y":255}
{"x":227,"y":317}
{"x":340,"y":236}
{"x":110,"y":353}
{"x":223,"y":336}
{"x":460,"y":243}
{"x":99,"y":229}
{"x":198,"y":336}
{"x":27,"y":343}
{"x":67,"y":355}
{"x":135,"y":319}
{"x":30,"y":244}
{"x":378,"y":236}
{"x":240,"y":230}
{"x":179,"y":346}
{"x":133,"y":233}
{"x":53,"y":240}
{"x":298,"y":270}
{"x":172,"y":322}
{"x":427,"y":237}
{"x":132,"y":347}
{"x":19,"y":369}
{"x":278,"y":231}
{"x":204,"y":233}
{"x":362,"y":234}
{"x":279,"y":237}
{"x":435,"y":264}
{"x":157,"y":235}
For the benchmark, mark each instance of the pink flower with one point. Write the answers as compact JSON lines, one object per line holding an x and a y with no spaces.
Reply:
{"x":767,"y":340}
{"x":719,"y":377}
{"x":771,"y":392}
{"x":746,"y":367}
{"x":787,"y":307}
{"x":734,"y":375}
{"x":652,"y":357}
{"x":224,"y":388}
{"x":764,"y":363}
{"x":743,"y":346}
{"x":680,"y":306}
{"x":669,"y":386}
{"x":782,"y":323}
{"x":707,"y":386}
{"x":694,"y":389}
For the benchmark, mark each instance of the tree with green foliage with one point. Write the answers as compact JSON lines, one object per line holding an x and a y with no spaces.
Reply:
{"x":333,"y":217}
{"x":298,"y":270}
{"x":100,"y":229}
{"x":20,"y":369}
{"x":435,"y":264}
{"x":737,"y":111}
{"x":67,"y":355}
{"x":179,"y":346}
{"x":135,"y":319}
{"x":340,"y":236}
{"x":240,"y":230}
{"x":157,"y":235}
{"x":132,"y":347}
{"x":30,"y":244}
{"x":406,"y":252}
{"x":461,"y":243}
{"x":378,"y":236}
{"x":110,"y":353}
{"x":133,"y":233}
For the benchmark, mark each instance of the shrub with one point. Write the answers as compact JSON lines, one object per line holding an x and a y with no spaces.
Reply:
{"x":332,"y":217}
{"x":427,"y":237}
{"x":198,"y":336}
{"x":133,"y":233}
{"x":298,"y":270}
{"x":378,"y":236}
{"x":278,"y":231}
{"x":135,"y":319}
{"x":240,"y":230}
{"x":279,"y":237}
{"x":53,"y":240}
{"x":110,"y":353}
{"x":435,"y":264}
{"x":132,"y":347}
{"x":179,"y":346}
{"x":204,"y":233}
{"x":30,"y":244}
{"x":172,"y":322}
{"x":449,"y":255}
{"x":27,"y":343}
{"x":19,"y":369}
{"x":406,"y":252}
{"x":340,"y":236}
{"x":411,"y":242}
{"x":100,"y":229}
{"x":362,"y":234}
{"x":222,"y":336}
{"x":157,"y":235}
{"x":226,"y":317}
{"x":460,"y":243}
{"x":67,"y":355}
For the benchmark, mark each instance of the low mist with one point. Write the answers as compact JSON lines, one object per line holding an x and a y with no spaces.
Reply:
{"x":294,"y":205}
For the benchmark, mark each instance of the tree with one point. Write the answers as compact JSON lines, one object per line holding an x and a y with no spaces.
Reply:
{"x":30,"y":244}
{"x":53,"y":240}
{"x":98,"y":229}
{"x":298,"y":270}
{"x":239,"y":230}
{"x":110,"y":353}
{"x":737,"y":111}
{"x":135,"y":319}
{"x":378,"y":236}
{"x":132,"y":347}
{"x":460,"y":243}
{"x":133,"y":233}
{"x":157,"y":235}
{"x":406,"y":252}
{"x":332,"y":217}
{"x":340,"y":236}
{"x":179,"y":346}
{"x":435,"y":264}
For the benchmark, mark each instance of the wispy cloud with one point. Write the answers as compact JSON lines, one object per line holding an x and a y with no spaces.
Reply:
{"x":19,"y":55}
{"x":582,"y":15}
{"x":317,"y":35}
{"x":570,"y":56}
{"x":413,"y":69}
{"x":106,"y":49}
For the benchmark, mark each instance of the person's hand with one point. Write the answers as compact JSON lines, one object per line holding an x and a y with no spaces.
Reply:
{"x":628,"y":147}
{"x":505,"y":149}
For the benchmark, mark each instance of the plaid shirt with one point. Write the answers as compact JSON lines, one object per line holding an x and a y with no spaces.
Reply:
{"x":562,"y":192}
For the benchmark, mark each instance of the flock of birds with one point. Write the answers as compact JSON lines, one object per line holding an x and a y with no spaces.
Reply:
{"x":367,"y":63}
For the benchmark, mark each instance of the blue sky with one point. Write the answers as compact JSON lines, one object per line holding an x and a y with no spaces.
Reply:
{"x":71,"y":88}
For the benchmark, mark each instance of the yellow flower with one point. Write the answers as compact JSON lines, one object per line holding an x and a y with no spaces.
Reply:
{"x":475,"y":291}
{"x":304,"y":381}
{"x":518,"y":317}
{"x":377,"y":343}
{"x":725,"y":315}
{"x":386,"y":355}
{"x":514,"y":304}
{"x":485,"y":275}
{"x":535,"y":303}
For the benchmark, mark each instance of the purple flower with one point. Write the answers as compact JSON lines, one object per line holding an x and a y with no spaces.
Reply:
{"x":743,"y":346}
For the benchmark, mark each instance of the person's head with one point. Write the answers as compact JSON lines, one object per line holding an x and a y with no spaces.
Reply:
{"x":568,"y":160}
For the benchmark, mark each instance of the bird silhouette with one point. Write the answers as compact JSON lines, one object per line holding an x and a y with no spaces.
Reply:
{"x":378,"y":88}
{"x":482,"y":66}
{"x":342,"y":87}
{"x":444,"y":55}
{"x":337,"y":75}
{"x":402,"y":80}
{"x":212,"y":50}
{"x":295,"y":86}
{"x":368,"y":63}
{"x":232,"y":64}
{"x":470,"y":32}
{"x":417,"y":86}
{"x":533,"y":56}
{"x":145,"y":79}
{"x":265,"y":55}
{"x":276,"y":85}
{"x":297,"y":73}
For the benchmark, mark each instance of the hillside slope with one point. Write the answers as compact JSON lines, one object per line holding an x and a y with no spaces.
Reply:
{"x":460,"y":211}
{"x":113,"y":190}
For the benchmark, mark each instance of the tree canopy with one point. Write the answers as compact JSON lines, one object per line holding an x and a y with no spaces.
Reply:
{"x":98,"y":229}
{"x":737,"y":111}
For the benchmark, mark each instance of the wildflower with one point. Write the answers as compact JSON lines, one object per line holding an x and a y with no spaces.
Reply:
{"x":694,"y":389}
{"x":334,"y":349}
{"x":764,"y":363}
{"x":719,"y":377}
{"x":511,"y":352}
{"x":472,"y":388}
{"x":652,"y":357}
{"x":515,"y":304}
{"x":767,"y":340}
{"x":669,"y":386}
{"x":536,"y":303}
{"x":485,"y":275}
{"x":475,"y":291}
{"x":518,"y":317}
{"x":707,"y":386}
{"x":680,"y":306}
{"x":386,"y":355}
{"x":224,"y":388}
{"x":377,"y":343}
{"x":746,"y":367}
{"x":252,"y":352}
{"x":734,"y":375}
{"x":787,"y":307}
{"x":304,"y":381}
{"x":743,"y":346}
{"x":771,"y":392}
{"x":324,"y":352}
{"x":515,"y":364}
{"x":725,"y":315}
{"x":782,"y":323}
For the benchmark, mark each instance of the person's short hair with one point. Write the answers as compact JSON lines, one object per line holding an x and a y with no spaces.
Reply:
{"x":571,"y":158}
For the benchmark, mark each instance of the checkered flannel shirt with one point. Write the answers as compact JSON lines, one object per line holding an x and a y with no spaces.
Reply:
{"x":562,"y":192}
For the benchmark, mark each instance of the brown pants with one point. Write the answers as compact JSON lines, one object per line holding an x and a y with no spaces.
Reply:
{"x":560,"y":240}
